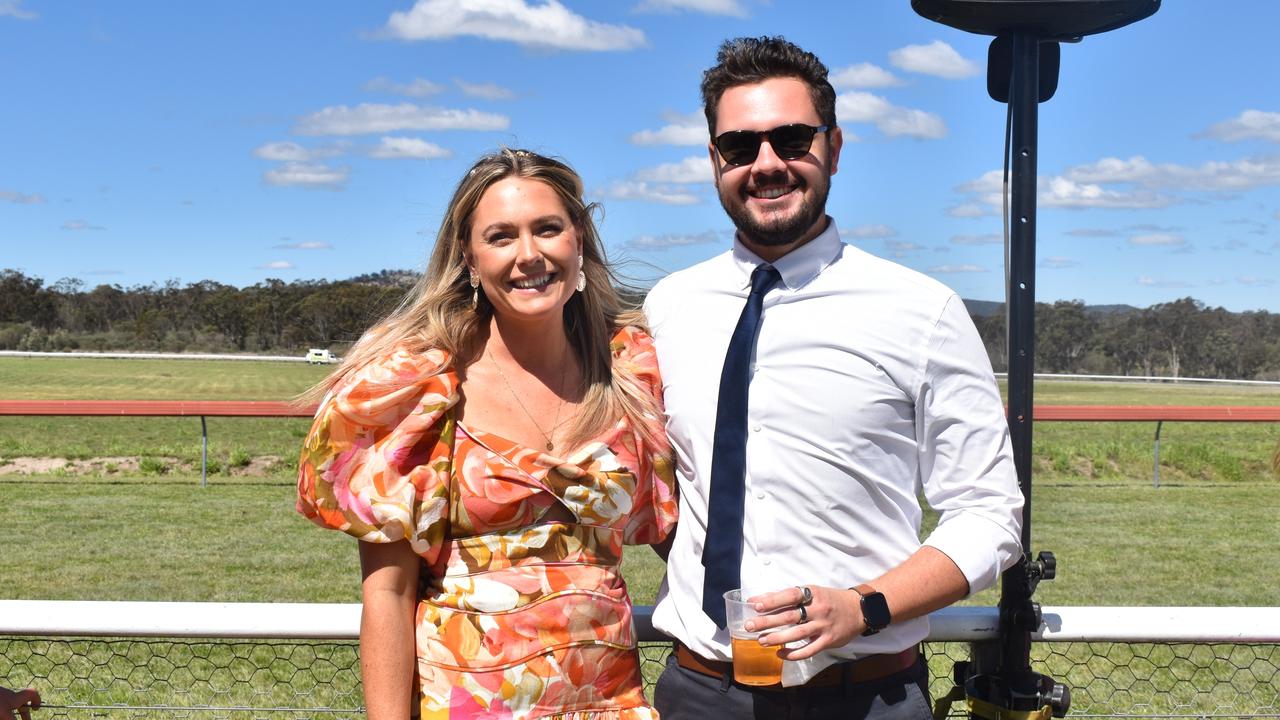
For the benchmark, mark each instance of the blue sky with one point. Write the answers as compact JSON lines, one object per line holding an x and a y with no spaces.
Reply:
{"x":236,"y":141}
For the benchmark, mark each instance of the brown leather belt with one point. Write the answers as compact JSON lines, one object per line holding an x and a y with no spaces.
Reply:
{"x":864,"y":669}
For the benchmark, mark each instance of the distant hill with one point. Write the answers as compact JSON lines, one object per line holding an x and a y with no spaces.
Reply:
{"x":1109,"y":309}
{"x":388,"y":278}
{"x":988,"y":308}
{"x":983,"y":308}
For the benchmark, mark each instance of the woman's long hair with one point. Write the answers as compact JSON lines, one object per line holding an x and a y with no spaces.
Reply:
{"x":437,"y":311}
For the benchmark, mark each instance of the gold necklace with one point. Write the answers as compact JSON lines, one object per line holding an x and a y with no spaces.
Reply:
{"x":555,"y":423}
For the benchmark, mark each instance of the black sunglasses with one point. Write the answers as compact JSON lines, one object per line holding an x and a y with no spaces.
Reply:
{"x":789,"y":142}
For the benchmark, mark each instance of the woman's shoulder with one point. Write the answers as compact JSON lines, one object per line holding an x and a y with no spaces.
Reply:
{"x":382,"y":388}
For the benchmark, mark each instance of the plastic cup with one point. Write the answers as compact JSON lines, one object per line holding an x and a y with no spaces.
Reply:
{"x":753,"y":663}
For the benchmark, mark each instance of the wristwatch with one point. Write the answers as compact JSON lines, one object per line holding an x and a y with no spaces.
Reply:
{"x":875,"y":609}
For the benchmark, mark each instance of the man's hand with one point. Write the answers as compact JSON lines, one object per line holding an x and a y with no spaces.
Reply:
{"x":22,"y":700}
{"x":831,"y":620}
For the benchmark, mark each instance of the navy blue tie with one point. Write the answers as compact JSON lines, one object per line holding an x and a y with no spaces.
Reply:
{"x":722,"y":551}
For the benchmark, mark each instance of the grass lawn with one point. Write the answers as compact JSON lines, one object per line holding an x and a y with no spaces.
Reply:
{"x":1207,"y":536}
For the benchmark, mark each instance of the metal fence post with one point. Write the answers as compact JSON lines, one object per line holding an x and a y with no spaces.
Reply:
{"x":1155,"y":475}
{"x":204,"y":452}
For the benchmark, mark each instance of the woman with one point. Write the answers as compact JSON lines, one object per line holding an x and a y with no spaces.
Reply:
{"x":494,"y":442}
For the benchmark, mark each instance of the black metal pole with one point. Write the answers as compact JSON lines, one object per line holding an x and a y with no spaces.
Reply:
{"x":1024,"y":94}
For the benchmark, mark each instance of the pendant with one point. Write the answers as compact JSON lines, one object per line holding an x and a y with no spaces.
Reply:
{"x":550,"y":445}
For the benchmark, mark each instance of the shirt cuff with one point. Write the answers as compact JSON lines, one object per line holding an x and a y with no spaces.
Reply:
{"x":980,"y":547}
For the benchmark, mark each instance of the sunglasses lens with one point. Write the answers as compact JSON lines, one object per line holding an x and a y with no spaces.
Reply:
{"x":791,"y":141}
{"x":738,"y":147}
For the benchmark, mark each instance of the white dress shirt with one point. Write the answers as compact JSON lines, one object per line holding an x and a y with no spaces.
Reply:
{"x":870,"y":384}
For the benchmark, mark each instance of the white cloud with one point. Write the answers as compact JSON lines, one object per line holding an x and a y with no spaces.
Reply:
{"x":693,"y":169}
{"x":18,"y":198}
{"x":937,"y":58}
{"x":545,"y":25}
{"x":286,"y":151}
{"x":368,"y":118}
{"x":731,"y":8}
{"x":304,"y":245}
{"x":276,"y":265}
{"x":666,"y":183}
{"x":679,"y":130}
{"x":417,"y":87}
{"x":1064,"y":193}
{"x":863,"y":75}
{"x":902,"y":248}
{"x":869,"y":232}
{"x":308,"y":175}
{"x":80,"y":225}
{"x":648,"y":192}
{"x":991,"y":181}
{"x":1148,"y":281}
{"x":1092,"y":232}
{"x":666,"y":242}
{"x":952,"y":269}
{"x":1159,"y":240}
{"x":1057,"y":262}
{"x":13,"y":9}
{"x":485,"y":91}
{"x":987,"y":239}
{"x":890,"y":119}
{"x":1254,"y":281}
{"x":970,"y":210}
{"x":397,"y":148}
{"x":1213,"y":176}
{"x":1250,"y":125}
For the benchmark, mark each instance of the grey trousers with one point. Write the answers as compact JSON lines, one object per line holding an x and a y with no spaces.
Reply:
{"x":682,"y":694}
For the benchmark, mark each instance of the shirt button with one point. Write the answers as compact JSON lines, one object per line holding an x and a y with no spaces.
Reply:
{"x":767,"y":561}
{"x":755,"y":428}
{"x":759,"y":496}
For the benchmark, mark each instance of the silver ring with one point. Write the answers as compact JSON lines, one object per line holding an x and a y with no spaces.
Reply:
{"x":804,"y":615}
{"x":806,"y":595}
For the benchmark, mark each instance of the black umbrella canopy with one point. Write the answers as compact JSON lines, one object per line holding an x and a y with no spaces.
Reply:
{"x":1046,"y":19}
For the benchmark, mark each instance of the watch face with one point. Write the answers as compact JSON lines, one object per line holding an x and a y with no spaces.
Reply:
{"x":875,"y":611}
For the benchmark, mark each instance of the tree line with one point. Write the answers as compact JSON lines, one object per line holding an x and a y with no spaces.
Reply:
{"x":1183,"y":338}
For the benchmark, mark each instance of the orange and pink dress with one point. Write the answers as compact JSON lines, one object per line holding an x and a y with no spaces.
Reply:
{"x":521,"y":613}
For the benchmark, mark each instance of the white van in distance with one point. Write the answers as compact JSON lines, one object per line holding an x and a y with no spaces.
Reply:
{"x":320,"y":356}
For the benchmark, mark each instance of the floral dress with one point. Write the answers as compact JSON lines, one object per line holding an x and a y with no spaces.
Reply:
{"x":521,"y":614}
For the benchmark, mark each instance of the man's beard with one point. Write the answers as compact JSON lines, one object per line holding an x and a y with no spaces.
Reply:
{"x":779,"y":231}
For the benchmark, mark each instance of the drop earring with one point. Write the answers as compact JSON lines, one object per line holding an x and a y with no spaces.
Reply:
{"x":475,"y":290}
{"x":582,"y":276}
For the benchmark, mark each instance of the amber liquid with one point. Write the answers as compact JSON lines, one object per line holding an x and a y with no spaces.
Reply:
{"x":755,"y":664}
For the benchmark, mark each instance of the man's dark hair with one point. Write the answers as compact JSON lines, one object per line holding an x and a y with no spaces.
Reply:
{"x":747,"y":60}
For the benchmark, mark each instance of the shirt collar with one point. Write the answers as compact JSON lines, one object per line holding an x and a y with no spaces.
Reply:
{"x":797,"y":267}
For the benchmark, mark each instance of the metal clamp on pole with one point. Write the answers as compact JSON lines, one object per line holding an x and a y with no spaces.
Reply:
{"x":998,"y":683}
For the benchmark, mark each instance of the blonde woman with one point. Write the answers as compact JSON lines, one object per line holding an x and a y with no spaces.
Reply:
{"x":493,"y":443}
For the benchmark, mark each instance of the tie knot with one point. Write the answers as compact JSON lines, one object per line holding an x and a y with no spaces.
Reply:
{"x":763,"y":278}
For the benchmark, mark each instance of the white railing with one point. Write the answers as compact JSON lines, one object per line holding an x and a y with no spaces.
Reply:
{"x":300,"y":661}
{"x":1147,"y":378}
{"x":341,"y":621}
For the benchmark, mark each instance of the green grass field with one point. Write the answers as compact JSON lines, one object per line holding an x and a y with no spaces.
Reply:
{"x":1207,"y":536}
{"x":153,"y":533}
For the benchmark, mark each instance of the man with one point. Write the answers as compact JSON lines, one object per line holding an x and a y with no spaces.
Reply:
{"x":801,"y":457}
{"x":24,"y":701}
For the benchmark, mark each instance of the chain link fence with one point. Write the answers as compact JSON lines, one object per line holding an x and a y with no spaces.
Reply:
{"x":146,"y":678}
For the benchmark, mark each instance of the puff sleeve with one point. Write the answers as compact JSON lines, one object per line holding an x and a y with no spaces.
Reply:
{"x":654,"y":504}
{"x":377,"y":460}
